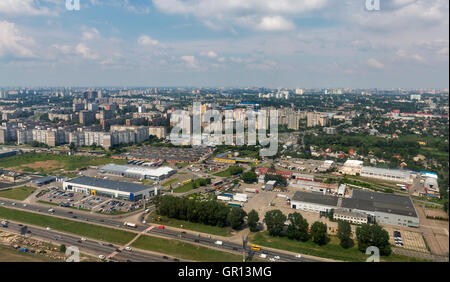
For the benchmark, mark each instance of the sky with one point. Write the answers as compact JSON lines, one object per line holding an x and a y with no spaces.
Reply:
{"x":225,"y":43}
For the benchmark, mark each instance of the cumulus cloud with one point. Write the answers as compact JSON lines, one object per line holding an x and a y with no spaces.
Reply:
{"x":276,"y":23}
{"x":24,"y":7}
{"x":90,"y":33}
{"x":85,"y":52}
{"x":145,"y":40}
{"x":255,"y":14}
{"x":13,"y":42}
{"x":375,"y":64}
{"x":190,"y":61}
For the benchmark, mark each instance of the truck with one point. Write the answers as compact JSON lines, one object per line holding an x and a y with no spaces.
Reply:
{"x":281,"y":196}
{"x":251,"y":190}
{"x":129,"y":224}
{"x":231,"y":204}
{"x":4,"y":224}
{"x":220,"y":243}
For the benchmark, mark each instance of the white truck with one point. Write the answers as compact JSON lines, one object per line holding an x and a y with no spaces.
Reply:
{"x":220,"y":243}
{"x":129,"y":224}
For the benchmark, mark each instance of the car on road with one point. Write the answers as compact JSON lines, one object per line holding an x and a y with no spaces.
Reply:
{"x":276,"y":257}
{"x":272,"y":259}
{"x":128,"y":249}
{"x":70,"y":212}
{"x":74,"y":216}
{"x":298,"y":255}
{"x":165,"y":257}
{"x":83,"y":239}
{"x":24,"y":205}
{"x":101,"y":257}
{"x":13,"y":204}
{"x":48,"y":228}
{"x":263,"y":256}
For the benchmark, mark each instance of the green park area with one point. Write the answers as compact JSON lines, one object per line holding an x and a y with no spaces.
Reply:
{"x":332,"y":250}
{"x":233,"y":170}
{"x":193,"y":226}
{"x":19,"y":193}
{"x":11,"y":255}
{"x":51,"y":164}
{"x":170,"y":182}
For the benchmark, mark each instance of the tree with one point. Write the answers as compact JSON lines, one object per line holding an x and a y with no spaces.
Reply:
{"x":62,"y":248}
{"x":252,"y":220}
{"x":236,"y":217}
{"x":344,"y":231}
{"x":298,"y":227}
{"x":373,"y":235}
{"x":275,"y":222}
{"x":72,"y":147}
{"x":319,"y":233}
{"x":249,"y":177}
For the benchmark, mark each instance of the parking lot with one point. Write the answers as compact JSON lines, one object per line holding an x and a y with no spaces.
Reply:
{"x":411,"y":240}
{"x":92,"y":203}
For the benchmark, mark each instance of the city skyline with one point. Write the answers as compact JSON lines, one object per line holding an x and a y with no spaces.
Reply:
{"x":308,"y":44}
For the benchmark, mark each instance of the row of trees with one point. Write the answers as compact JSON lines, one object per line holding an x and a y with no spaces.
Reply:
{"x":298,"y":229}
{"x":206,"y":212}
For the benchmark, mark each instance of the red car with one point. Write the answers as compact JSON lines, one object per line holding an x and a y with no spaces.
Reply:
{"x":161,"y":227}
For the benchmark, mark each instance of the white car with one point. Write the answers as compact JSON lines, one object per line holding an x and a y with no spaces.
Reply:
{"x":276,"y":257}
{"x":83,"y":239}
{"x":48,"y":228}
{"x":272,"y":259}
{"x":298,"y":255}
{"x":101,"y":257}
{"x":24,"y":205}
{"x":128,"y":249}
{"x":13,"y":204}
{"x":263,"y":256}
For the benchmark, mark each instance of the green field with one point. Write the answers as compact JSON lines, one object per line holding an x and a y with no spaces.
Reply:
{"x":79,"y":228}
{"x":184,"y":250}
{"x":203,"y":228}
{"x":19,"y":193}
{"x":184,"y":188}
{"x":170,"y":182}
{"x":49,"y":163}
{"x":332,"y":250}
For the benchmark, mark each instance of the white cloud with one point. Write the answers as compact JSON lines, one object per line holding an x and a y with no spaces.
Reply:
{"x":13,"y":43}
{"x":255,"y":14}
{"x":190,"y":61}
{"x":23,"y":7}
{"x":375,"y":64}
{"x":90,"y":33}
{"x":85,"y":52}
{"x":276,"y":23}
{"x":145,"y":40}
{"x":209,"y":54}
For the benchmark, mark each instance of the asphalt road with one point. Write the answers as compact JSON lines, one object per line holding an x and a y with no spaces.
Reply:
{"x":170,"y":234}
{"x":92,"y":247}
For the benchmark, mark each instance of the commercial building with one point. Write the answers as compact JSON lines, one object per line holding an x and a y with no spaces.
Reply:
{"x":352,"y":167}
{"x":395,"y":175}
{"x":138,"y":172}
{"x":382,"y":208}
{"x":353,"y":217}
{"x":109,"y":188}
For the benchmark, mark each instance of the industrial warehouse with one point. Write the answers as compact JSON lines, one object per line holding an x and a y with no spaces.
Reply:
{"x":379,"y":207}
{"x":396,"y":175}
{"x":111,"y":189}
{"x":138,"y":172}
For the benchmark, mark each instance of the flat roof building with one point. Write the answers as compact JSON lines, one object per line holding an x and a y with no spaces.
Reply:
{"x":138,"y":172}
{"x":381,"y":207}
{"x":109,"y":188}
{"x":395,"y":175}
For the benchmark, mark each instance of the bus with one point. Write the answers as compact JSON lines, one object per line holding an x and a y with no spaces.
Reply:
{"x":255,"y":247}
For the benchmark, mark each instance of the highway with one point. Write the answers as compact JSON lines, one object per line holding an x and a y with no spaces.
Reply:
{"x":166,"y":233}
{"x":91,"y":247}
